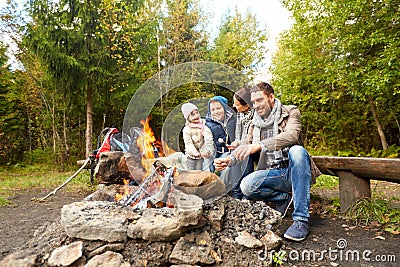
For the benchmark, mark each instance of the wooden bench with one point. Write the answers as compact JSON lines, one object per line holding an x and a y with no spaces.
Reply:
{"x":355,"y":174}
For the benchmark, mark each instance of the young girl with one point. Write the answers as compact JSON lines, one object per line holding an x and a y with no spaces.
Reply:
{"x":197,"y":137}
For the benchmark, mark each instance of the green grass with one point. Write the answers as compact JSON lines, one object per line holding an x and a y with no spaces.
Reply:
{"x":366,"y":210}
{"x":23,"y":178}
{"x":326,"y":182}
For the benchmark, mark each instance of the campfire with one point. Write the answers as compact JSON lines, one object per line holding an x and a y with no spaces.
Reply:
{"x":153,"y":190}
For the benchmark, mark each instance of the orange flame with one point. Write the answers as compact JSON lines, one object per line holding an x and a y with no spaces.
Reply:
{"x":126,"y":191}
{"x":145,"y":143}
{"x":148,"y":146}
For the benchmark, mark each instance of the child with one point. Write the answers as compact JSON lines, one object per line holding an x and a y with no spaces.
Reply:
{"x":197,"y":137}
{"x":221,"y":120}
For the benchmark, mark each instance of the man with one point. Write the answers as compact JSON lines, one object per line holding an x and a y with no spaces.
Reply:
{"x":285,"y":170}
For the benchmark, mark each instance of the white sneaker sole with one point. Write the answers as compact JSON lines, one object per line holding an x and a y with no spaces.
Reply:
{"x":293,"y":238}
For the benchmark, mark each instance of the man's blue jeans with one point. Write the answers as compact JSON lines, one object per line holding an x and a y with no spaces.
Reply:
{"x":276,"y":184}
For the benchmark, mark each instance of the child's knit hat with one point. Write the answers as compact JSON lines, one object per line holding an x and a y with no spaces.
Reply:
{"x":187,"y":108}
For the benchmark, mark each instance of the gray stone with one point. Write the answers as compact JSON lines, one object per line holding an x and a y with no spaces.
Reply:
{"x":95,"y":220}
{"x":271,"y":241}
{"x":66,"y":255}
{"x":215,"y":217}
{"x":167,"y":224}
{"x":191,"y":251}
{"x":109,"y":259}
{"x":108,"y":247}
{"x":244,"y":238}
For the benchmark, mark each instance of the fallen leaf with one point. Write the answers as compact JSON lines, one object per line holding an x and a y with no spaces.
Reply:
{"x":379,"y":237}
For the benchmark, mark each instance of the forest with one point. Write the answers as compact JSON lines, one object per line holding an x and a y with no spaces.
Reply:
{"x":82,"y":61}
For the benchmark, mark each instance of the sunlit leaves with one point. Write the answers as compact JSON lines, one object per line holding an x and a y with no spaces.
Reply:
{"x":240,"y":43}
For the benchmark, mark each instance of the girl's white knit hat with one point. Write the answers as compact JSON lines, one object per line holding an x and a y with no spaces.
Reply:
{"x":187,"y":108}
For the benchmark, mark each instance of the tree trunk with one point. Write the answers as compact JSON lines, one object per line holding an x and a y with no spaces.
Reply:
{"x":89,"y":120}
{"x":66,"y":153}
{"x":159,"y":70}
{"x":378,"y":124}
{"x":53,"y":120}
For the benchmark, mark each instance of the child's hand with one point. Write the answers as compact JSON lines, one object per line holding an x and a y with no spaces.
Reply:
{"x":206,"y":154}
{"x":196,"y":154}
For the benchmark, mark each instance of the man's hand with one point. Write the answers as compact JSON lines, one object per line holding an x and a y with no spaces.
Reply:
{"x":243,"y":151}
{"x":221,"y":163}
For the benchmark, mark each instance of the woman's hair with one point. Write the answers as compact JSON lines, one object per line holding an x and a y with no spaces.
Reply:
{"x":243,"y":96}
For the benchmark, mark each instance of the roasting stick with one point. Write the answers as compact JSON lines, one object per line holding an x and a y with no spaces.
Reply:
{"x":66,"y":182}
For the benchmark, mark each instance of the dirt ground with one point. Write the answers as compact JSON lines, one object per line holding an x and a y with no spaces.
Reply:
{"x":372,"y":245}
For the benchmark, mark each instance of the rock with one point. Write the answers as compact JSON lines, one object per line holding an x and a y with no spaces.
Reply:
{"x":108,"y":247}
{"x":66,"y":255}
{"x":100,"y":196}
{"x":191,"y":251}
{"x":244,"y":238}
{"x":189,"y":207}
{"x":167,"y":224}
{"x":271,"y":241}
{"x":215,"y":217}
{"x":95,"y":220}
{"x":206,"y":185}
{"x":109,"y":259}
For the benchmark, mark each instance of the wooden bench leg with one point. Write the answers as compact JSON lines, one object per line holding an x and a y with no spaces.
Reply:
{"x":352,"y":187}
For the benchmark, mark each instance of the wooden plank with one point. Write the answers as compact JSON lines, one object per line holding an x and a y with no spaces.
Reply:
{"x":386,"y":169}
{"x":351,"y":188}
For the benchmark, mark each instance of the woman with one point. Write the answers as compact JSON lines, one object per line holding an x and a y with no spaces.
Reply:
{"x":244,"y":125}
{"x":221,"y":120}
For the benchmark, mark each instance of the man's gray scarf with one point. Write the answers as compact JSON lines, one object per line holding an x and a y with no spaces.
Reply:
{"x":271,"y":121}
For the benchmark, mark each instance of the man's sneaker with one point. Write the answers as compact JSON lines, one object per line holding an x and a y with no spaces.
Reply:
{"x":298,"y":231}
{"x":284,"y":206}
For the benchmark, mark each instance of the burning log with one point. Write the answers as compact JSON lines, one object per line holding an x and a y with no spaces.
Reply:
{"x":160,"y":179}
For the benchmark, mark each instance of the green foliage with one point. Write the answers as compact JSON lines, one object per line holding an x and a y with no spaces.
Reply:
{"x":279,"y":257}
{"x":336,"y":64}
{"x":4,"y":201}
{"x":367,"y":210}
{"x":392,"y":152}
{"x":39,"y":156}
{"x":240,"y":43}
{"x":326,"y":182}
